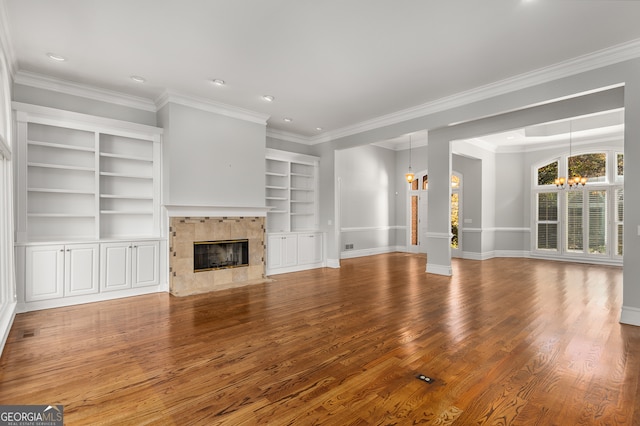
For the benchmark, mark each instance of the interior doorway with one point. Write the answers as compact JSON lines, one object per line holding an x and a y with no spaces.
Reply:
{"x":456,"y":215}
{"x":418,"y":198}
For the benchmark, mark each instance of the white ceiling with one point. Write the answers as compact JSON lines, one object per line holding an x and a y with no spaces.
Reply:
{"x":328,"y":63}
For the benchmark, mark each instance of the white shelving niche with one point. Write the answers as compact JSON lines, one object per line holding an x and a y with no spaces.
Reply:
{"x":291,"y":194}
{"x":82,"y":179}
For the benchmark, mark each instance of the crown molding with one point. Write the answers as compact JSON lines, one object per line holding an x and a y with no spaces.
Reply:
{"x":40,"y":81}
{"x":584,"y":63}
{"x":289,"y":137}
{"x":5,"y":40}
{"x":211,"y":106}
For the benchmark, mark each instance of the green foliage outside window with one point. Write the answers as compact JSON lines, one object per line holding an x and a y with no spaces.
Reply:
{"x":547,"y":174}
{"x":588,"y":165}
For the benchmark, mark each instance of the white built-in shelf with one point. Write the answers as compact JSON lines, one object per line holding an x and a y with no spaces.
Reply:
{"x":61,"y":191}
{"x":125,"y":212}
{"x":61,"y":146}
{"x":108,"y":170}
{"x":126,"y":157}
{"x":71,"y":215}
{"x":61,"y":166}
{"x":126,"y":175}
{"x":291,"y":186}
{"x":125,"y":197}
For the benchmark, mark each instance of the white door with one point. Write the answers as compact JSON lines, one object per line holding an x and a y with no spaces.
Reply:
{"x":115,"y":259}
{"x":81,"y":269}
{"x":44,"y":275}
{"x":144,"y":263}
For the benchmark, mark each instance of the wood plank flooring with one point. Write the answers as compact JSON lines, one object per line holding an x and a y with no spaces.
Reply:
{"x":506,"y":341}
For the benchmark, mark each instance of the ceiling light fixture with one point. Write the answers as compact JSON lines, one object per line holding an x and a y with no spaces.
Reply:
{"x":573,"y":182}
{"x":318,"y":128}
{"x":409,"y":175}
{"x":218,"y":82}
{"x":268,"y":98}
{"x":288,"y":119}
{"x":56,"y":57}
{"x":138,"y":79}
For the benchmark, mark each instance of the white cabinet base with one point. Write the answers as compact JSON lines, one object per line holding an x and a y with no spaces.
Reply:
{"x":56,"y":275}
{"x":294,"y":251}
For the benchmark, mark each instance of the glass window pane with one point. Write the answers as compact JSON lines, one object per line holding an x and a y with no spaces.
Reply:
{"x":414,"y":220}
{"x":455,"y":181}
{"x":454,"y":220}
{"x":414,"y":184}
{"x":598,"y":222}
{"x":425,"y":182}
{"x":547,"y":174}
{"x":620,"y":164}
{"x":619,"y":221}
{"x":574,"y":222}
{"x":592,"y":166}
{"x":547,"y":236}
{"x":548,"y":206}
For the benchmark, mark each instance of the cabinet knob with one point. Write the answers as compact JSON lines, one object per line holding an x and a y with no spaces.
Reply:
{"x":61,"y":250}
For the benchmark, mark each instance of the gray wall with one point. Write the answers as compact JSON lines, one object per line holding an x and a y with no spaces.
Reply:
{"x":367,"y":198}
{"x":210,"y":159}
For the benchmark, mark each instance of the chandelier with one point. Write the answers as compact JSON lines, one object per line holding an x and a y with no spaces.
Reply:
{"x":572,"y":182}
{"x":409,"y":175}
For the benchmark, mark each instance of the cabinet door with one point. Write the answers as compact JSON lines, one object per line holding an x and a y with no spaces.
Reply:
{"x":274,"y":251}
{"x":44,"y":275}
{"x":145,"y":257}
{"x":282,"y":250}
{"x":81,"y":269}
{"x":115,"y":259}
{"x":290,"y":250}
{"x":309,"y":248}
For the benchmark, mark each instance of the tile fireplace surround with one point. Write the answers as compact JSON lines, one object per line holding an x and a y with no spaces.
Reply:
{"x":184,"y":231}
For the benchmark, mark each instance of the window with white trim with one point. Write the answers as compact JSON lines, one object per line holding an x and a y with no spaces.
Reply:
{"x":584,"y":221}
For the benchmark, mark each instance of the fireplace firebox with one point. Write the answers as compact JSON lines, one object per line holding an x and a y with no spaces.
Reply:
{"x":210,"y":255}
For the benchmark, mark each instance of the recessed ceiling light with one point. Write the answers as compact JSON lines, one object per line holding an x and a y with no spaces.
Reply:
{"x":288,"y":119}
{"x":56,"y":57}
{"x":138,"y":79}
{"x":268,"y":98}
{"x":318,"y":128}
{"x":218,"y":82}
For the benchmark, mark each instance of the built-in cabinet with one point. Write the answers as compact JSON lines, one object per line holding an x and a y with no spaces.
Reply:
{"x":54,"y":271}
{"x":291,"y":194}
{"x":294,"y":251}
{"x":129,"y":265}
{"x":85,"y":184}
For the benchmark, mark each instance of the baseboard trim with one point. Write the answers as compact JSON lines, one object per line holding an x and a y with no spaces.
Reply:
{"x":6,"y":321}
{"x":630,"y":316}
{"x":333,"y":263}
{"x":369,"y":252}
{"x":439,"y":269}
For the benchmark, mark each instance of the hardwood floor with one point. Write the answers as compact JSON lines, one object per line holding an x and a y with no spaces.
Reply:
{"x":506,"y":341}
